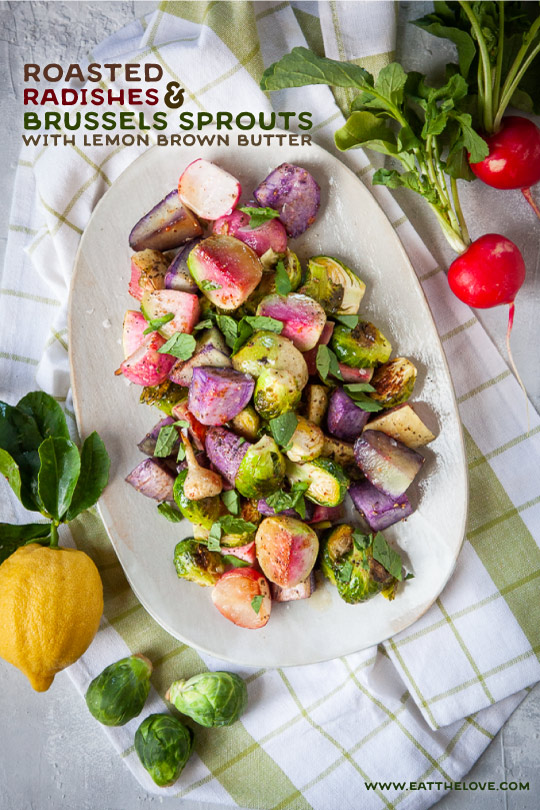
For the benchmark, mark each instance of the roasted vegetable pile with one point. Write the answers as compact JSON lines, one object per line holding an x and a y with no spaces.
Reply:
{"x":279,"y":397}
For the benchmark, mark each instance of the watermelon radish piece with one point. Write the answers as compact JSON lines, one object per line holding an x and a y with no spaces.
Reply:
{"x":207,"y":190}
{"x":225,"y":270}
{"x":132,"y":331}
{"x":271,"y":235}
{"x":234,"y":593}
{"x":246,"y":553}
{"x":184,"y":306}
{"x":311,"y":356}
{"x":166,"y":226}
{"x":146,"y":366}
{"x":388,"y":465}
{"x":303,"y":318}
{"x":177,"y":276}
{"x":355,"y":375}
{"x":148,"y":270}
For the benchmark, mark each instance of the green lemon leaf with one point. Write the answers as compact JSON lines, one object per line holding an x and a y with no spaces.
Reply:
{"x":46,"y":412}
{"x":58,"y":474}
{"x":93,"y":477}
{"x":13,"y":537}
{"x":10,"y":470}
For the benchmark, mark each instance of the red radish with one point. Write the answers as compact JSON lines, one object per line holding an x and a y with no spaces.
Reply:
{"x":146,"y":366}
{"x":225,"y":269}
{"x":303,"y":318}
{"x":132,"y":331}
{"x":234,"y":596}
{"x":184,"y":306}
{"x":207,"y":190}
{"x":148,"y":271}
{"x":514,"y":157}
{"x":311,"y":356}
{"x":246,"y":553}
{"x":196,"y":430}
{"x":286,"y":550}
{"x":354,"y":375}
{"x":271,"y":235}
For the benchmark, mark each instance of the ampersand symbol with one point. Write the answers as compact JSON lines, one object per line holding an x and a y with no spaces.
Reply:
{"x":174,"y":97}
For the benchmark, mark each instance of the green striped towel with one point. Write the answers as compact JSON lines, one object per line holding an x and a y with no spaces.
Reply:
{"x":434,"y":695}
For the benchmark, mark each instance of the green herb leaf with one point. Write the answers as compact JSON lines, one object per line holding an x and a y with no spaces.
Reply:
{"x":207,"y":324}
{"x":386,"y":555}
{"x":155,"y":324}
{"x":13,"y":537}
{"x":262,"y":322}
{"x":208,"y":285}
{"x":229,"y":328}
{"x":410,"y":575}
{"x":256,"y":603}
{"x":356,"y":388}
{"x":282,"y":427}
{"x":361,"y":540}
{"x":214,"y":537}
{"x":365,"y":402}
{"x":231,"y":500}
{"x":233,"y":525}
{"x":348,"y":320}
{"x":283,"y":282}
{"x":169,"y":512}
{"x":280,"y":500}
{"x":93,"y":477}
{"x":58,"y":475}
{"x":327,"y":363}
{"x":302,"y":67}
{"x":244,"y":332}
{"x":344,"y":573}
{"x":236,"y":562}
{"x":182,"y":423}
{"x":167,"y":438}
{"x":180,"y":456}
{"x":179,"y":345}
{"x":258,"y":216}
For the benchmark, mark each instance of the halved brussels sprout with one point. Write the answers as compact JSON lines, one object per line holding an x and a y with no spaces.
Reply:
{"x":205,"y":511}
{"x":211,"y":698}
{"x":164,"y":396}
{"x":247,"y":423}
{"x":353,"y":570}
{"x":194,"y":562}
{"x":394,"y":382}
{"x":275,"y":393}
{"x":327,"y":480}
{"x":119,"y":693}
{"x":333,"y":285}
{"x":307,"y":442}
{"x":262,"y":469}
{"x":264,"y":350}
{"x":163,"y":745}
{"x":361,"y":347}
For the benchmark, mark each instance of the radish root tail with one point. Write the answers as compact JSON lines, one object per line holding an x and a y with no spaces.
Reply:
{"x":511,"y":313}
{"x":529,"y":197}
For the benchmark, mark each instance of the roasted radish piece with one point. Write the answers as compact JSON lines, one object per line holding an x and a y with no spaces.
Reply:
{"x":154,"y":479}
{"x":394,"y":382}
{"x":311,"y":356}
{"x":270,"y":236}
{"x":317,"y":403}
{"x":355,"y":375}
{"x":184,"y":306}
{"x":225,"y":270}
{"x":301,"y":591}
{"x":245,"y":553}
{"x":379,"y":510}
{"x":333,"y":285}
{"x":207,"y":190}
{"x":147,"y":366}
{"x":346,"y":419}
{"x":166,"y":226}
{"x":148,"y":444}
{"x":404,"y":425}
{"x":196,"y":430}
{"x":132,"y":331}
{"x":148,"y":271}
{"x":225,"y":451}
{"x":178,"y":276}
{"x":217,"y":395}
{"x":332,"y":514}
{"x":243,"y":596}
{"x":293,"y":192}
{"x":303,"y":318}
{"x":389,"y":465}
{"x":199,"y":483}
{"x":286,"y":550}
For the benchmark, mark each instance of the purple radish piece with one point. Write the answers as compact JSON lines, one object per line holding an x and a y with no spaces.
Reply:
{"x":217,"y":395}
{"x":301,"y":591}
{"x":378,"y":509}
{"x":303,"y":318}
{"x":271,"y":235}
{"x":354,"y":375}
{"x":311,"y":356}
{"x":148,"y":444}
{"x":389,"y":465}
{"x":225,"y":451}
{"x":166,"y":226}
{"x":153,"y":478}
{"x":208,"y":190}
{"x":345,"y":419}
{"x":293,"y":192}
{"x":178,"y":276}
{"x":268,"y":511}
{"x":182,"y":371}
{"x":332,"y":513}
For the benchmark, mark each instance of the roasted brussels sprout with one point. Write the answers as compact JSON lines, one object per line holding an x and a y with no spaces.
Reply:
{"x":164,"y":396}
{"x":262,"y":469}
{"x":119,"y":693}
{"x":307,"y":442}
{"x":264,"y":350}
{"x":211,"y":698}
{"x":352,"y":568}
{"x":361,"y":347}
{"x":205,"y":511}
{"x":194,"y":562}
{"x":333,"y":285}
{"x":247,"y":423}
{"x":276,"y":392}
{"x":163,"y":744}
{"x":327,"y":480}
{"x":393,"y":382}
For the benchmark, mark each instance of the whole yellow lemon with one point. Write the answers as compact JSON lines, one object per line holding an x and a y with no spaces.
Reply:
{"x":51,"y":601}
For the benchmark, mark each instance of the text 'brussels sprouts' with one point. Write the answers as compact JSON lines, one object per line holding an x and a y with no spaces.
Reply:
{"x":163,"y":745}
{"x":119,"y":693}
{"x":211,"y":698}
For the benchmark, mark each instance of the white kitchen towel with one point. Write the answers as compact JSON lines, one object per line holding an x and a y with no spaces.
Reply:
{"x":434,"y":695}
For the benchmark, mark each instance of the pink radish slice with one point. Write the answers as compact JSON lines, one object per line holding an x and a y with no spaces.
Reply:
{"x":234,"y":593}
{"x":286,"y":550}
{"x":207,"y":190}
{"x":184,"y":306}
{"x":225,"y":269}
{"x":271,"y":235}
{"x":246,"y":553}
{"x":352,"y":375}
{"x":146,"y":366}
{"x":132,"y":331}
{"x":303,"y":318}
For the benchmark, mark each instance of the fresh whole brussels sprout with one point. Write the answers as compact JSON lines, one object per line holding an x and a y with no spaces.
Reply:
{"x":330,"y":282}
{"x":211,"y":698}
{"x":194,"y":562}
{"x":163,"y":744}
{"x":119,"y":693}
{"x":205,"y":511}
{"x":361,"y":347}
{"x":262,"y":469}
{"x":275,"y":393}
{"x":353,"y":569}
{"x":394,"y":382}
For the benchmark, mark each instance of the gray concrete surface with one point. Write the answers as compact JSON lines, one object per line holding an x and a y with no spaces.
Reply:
{"x":53,"y":755}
